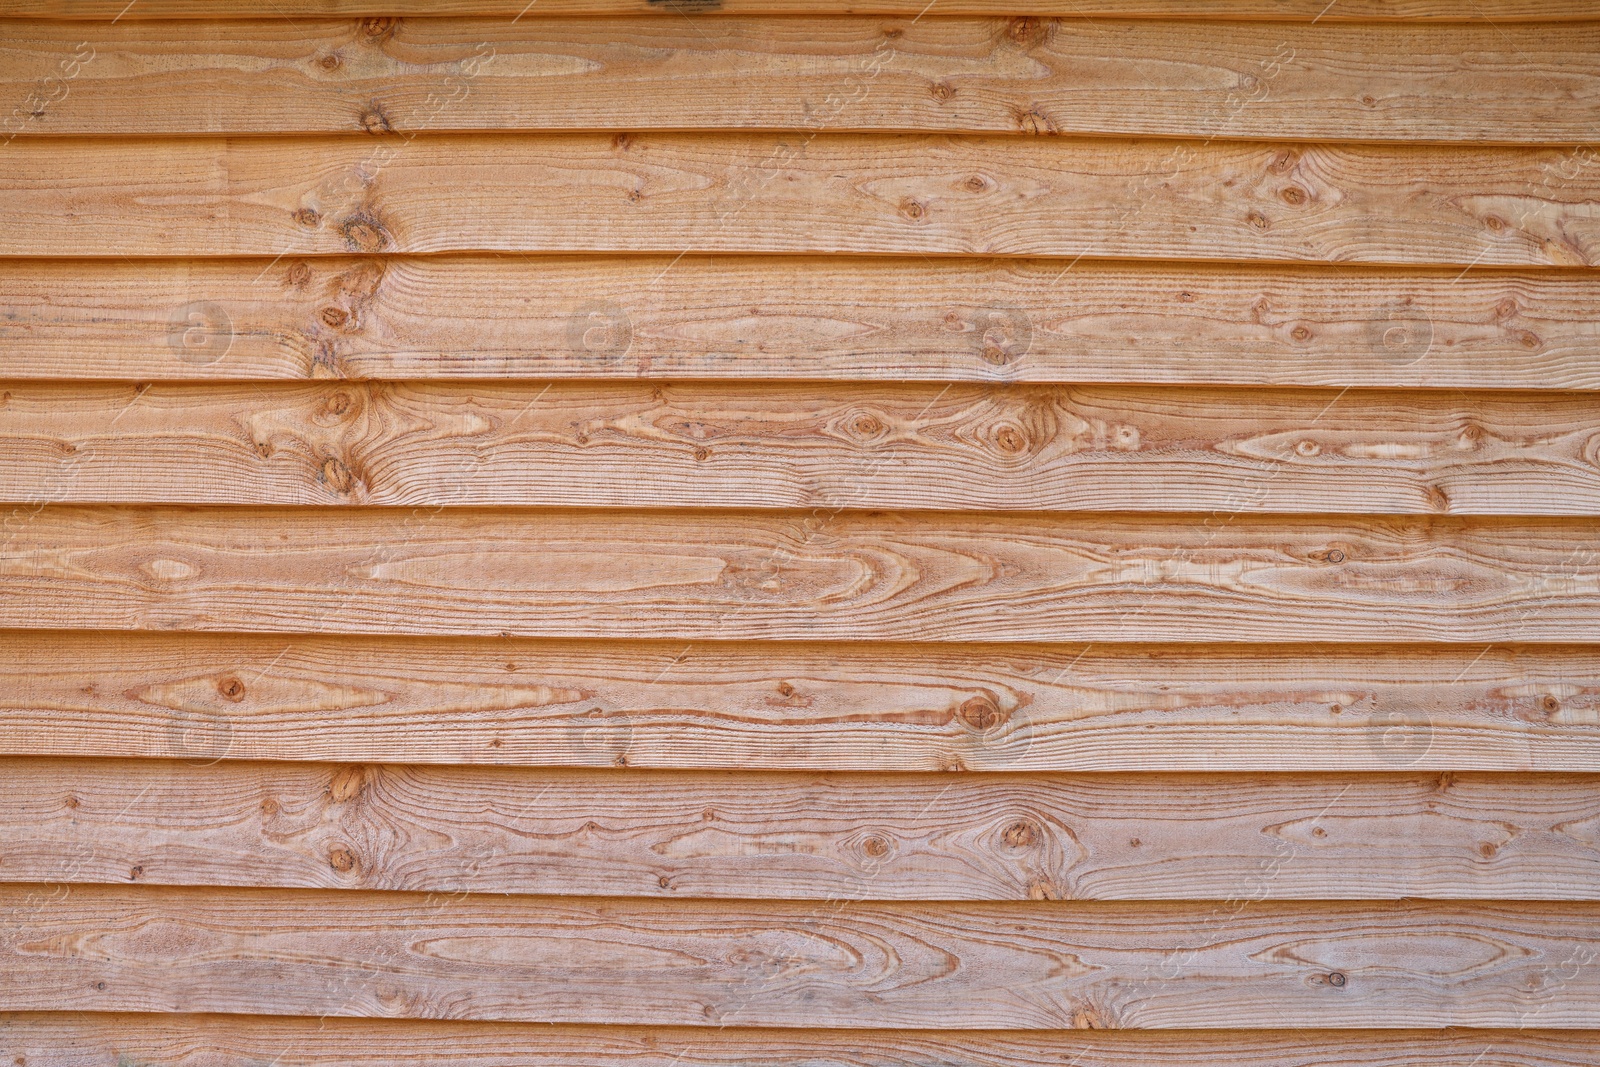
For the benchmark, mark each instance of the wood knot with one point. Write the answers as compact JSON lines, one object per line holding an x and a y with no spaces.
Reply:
{"x":1307,"y":449}
{"x":976,"y":183}
{"x":1011,"y":440}
{"x":1282,"y":161}
{"x":942,"y":91}
{"x":335,"y":316}
{"x":347,"y":783}
{"x":1549,"y":704}
{"x":1256,"y":220}
{"x":1336,"y":979}
{"x":342,"y":860}
{"x":335,"y":475}
{"x":981,"y":713}
{"x":330,"y":62}
{"x":866,"y":426}
{"x":231,"y":688}
{"x":1020,"y":834}
{"x":1301,"y":334}
{"x":1027,"y":32}
{"x":379,"y":30}
{"x":912,"y":209}
{"x":269,"y":806}
{"x":1330,"y":555}
{"x":1294,"y":195}
{"x":364,"y":233}
{"x":336,"y":405}
{"x":136,"y":872}
{"x":622,"y":141}
{"x":297,"y":275}
{"x":307,"y":217}
{"x":1495,"y":223}
{"x":374,"y":119}
{"x":875,"y":846}
{"x":1033,"y":119}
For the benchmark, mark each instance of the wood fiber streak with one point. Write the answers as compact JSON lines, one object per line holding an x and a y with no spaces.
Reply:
{"x":110,"y":1039}
{"x":907,"y":447}
{"x":836,"y":837}
{"x":1477,"y":84}
{"x":1027,"y":966}
{"x":838,"y":318}
{"x":802,"y":192}
{"x":811,"y":707}
{"x":1296,"y":10}
{"x":827,"y":574}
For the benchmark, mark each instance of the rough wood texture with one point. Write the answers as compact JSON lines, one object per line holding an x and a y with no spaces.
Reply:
{"x":801,"y":192}
{"x":117,"y":1040}
{"x":826,"y":574}
{"x":1027,"y":966}
{"x":753,"y":317}
{"x":815,"y":707}
{"x":1476,"y":84}
{"x":1296,"y":10}
{"x":773,"y":446}
{"x":785,"y":836}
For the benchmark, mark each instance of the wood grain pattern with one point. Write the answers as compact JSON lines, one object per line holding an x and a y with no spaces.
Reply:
{"x":827,"y":574}
{"x":672,"y":704}
{"x":120,"y":1040}
{"x":1476,"y":84}
{"x":734,"y":317}
{"x":1030,"y":965}
{"x":793,"y":837}
{"x":1296,"y":10}
{"x":845,"y":445}
{"x":801,"y":192}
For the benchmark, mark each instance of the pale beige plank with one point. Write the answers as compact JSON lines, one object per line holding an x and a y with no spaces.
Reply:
{"x":801,"y":192}
{"x":1030,"y":965}
{"x":784,"y":446}
{"x":1479,"y":84}
{"x":93,"y":1039}
{"x":797,"y":318}
{"x":677,"y":704}
{"x":825,"y":574}
{"x":801,"y":837}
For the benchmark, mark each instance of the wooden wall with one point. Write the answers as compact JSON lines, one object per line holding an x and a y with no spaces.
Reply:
{"x":800,"y":532}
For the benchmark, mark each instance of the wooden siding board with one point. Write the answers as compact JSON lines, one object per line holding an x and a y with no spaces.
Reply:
{"x":801,"y":837}
{"x":1027,"y":448}
{"x":1033,"y":965}
{"x":825,"y":574}
{"x":677,"y":704}
{"x":1477,"y":84}
{"x":116,"y":1040}
{"x":802,"y":193}
{"x":843,"y":318}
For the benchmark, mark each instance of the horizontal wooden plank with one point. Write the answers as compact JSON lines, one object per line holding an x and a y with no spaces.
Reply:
{"x":1028,"y":965}
{"x":1525,"y":84}
{"x":1297,"y":10}
{"x":672,"y":704}
{"x":795,"y":192}
{"x":801,"y":837}
{"x":828,"y":574}
{"x":774,"y":446}
{"x":797,"y":318}
{"x":109,"y":1039}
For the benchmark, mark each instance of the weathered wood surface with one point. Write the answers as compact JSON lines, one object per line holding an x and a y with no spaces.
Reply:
{"x":824,"y":574}
{"x":1295,"y":10}
{"x":797,"y":318}
{"x":665,"y":704}
{"x":1029,"y":965}
{"x":801,"y":192}
{"x":801,"y":837}
{"x":1535,"y":84}
{"x":122,"y":1040}
{"x":784,"y":446}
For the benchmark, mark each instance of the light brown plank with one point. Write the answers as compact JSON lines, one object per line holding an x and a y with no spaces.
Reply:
{"x":801,"y":192}
{"x":672,"y":704}
{"x":792,"y":837}
{"x":117,"y":1040}
{"x":1030,"y":965}
{"x":1298,"y":10}
{"x":797,"y":318}
{"x":774,"y":446}
{"x":1477,"y":84}
{"x":823,"y":575}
